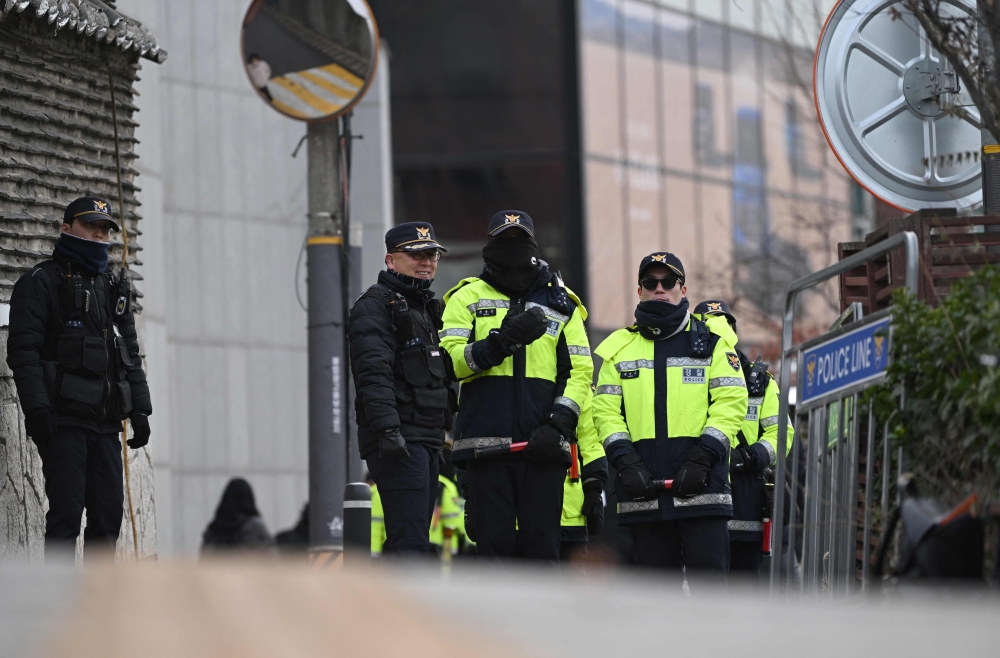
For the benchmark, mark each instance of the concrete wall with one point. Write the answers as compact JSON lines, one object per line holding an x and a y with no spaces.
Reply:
{"x":226,"y":205}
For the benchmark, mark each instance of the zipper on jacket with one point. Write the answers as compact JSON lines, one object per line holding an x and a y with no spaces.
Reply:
{"x":519,"y":374}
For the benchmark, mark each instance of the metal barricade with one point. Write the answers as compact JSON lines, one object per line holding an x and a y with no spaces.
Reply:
{"x":833,"y":370}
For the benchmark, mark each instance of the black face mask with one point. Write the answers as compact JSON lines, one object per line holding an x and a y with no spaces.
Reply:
{"x":658,"y":319}
{"x":512,"y":263}
{"x":92,"y":255}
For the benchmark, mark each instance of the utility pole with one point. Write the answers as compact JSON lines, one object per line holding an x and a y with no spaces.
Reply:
{"x":991,"y":150}
{"x":328,"y":413}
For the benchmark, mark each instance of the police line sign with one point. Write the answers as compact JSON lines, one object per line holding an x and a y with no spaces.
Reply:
{"x":850,"y":359}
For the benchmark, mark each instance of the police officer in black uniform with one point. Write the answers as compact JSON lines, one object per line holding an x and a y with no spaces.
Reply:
{"x":403,"y":403}
{"x":74,"y":353}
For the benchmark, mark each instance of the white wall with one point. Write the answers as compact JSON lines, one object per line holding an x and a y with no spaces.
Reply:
{"x":224,"y":218}
{"x":371,"y":173}
{"x":224,"y":207}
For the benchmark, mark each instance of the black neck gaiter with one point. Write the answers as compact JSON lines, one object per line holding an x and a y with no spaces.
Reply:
{"x":92,"y":255}
{"x":513,"y":264}
{"x":419,"y":284}
{"x":659,"y":319}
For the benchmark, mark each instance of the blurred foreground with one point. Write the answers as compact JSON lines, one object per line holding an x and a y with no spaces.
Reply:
{"x":251,"y":609}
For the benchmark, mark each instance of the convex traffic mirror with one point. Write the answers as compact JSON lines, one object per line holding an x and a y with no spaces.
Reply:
{"x":311,"y":60}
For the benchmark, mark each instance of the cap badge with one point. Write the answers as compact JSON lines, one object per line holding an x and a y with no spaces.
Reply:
{"x":423,"y":233}
{"x":659,"y":257}
{"x":100,"y":206}
{"x":714,"y":306}
{"x":513,"y":219}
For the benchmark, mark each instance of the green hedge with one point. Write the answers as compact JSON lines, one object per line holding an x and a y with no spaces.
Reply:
{"x":942,"y":396}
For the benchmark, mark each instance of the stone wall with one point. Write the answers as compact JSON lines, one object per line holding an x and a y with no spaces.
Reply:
{"x":57,"y":143}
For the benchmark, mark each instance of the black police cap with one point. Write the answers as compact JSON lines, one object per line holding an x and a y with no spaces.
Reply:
{"x":714,"y":307}
{"x":672,"y":262}
{"x":506,"y":219}
{"x":89,"y":209}
{"x":411,"y":236}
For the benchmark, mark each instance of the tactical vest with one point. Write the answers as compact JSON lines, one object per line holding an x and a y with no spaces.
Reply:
{"x":87,"y":355}
{"x":425,"y":398}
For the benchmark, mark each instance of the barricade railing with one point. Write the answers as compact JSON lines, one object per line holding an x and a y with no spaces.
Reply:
{"x":833,"y":370}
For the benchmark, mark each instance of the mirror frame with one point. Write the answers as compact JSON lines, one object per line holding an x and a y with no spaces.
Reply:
{"x":376,"y":46}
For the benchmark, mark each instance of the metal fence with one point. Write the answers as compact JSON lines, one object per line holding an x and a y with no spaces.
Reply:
{"x":832,"y":499}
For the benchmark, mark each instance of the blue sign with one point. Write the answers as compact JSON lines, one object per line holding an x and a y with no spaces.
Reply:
{"x":849,"y":359}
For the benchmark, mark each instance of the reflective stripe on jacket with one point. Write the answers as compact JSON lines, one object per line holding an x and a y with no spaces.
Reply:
{"x":655,"y":398}
{"x":504,"y":403}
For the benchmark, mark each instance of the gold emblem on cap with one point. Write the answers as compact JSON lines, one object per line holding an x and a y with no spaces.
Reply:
{"x":714,"y":306}
{"x":100,"y":205}
{"x":659,"y":257}
{"x":423,"y":232}
{"x":513,"y":219}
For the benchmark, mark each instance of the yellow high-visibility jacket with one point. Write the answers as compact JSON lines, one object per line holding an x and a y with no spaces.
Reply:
{"x":378,"y":522}
{"x":760,"y":429}
{"x":449,"y":513}
{"x":504,"y":402}
{"x":660,"y":398}
{"x":595,"y":464}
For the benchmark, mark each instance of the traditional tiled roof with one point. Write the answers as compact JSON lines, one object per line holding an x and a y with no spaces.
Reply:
{"x":95,"y":19}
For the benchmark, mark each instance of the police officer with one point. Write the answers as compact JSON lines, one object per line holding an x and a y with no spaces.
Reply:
{"x":670,"y":397}
{"x":403,"y":403}
{"x":583,"y":502}
{"x":753,"y":455}
{"x":517,"y":342}
{"x":74,"y":353}
{"x":447,"y":532}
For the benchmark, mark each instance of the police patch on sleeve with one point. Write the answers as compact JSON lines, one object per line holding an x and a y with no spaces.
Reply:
{"x":734,"y":361}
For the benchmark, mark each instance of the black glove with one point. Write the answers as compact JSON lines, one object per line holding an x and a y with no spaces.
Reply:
{"x":522,"y":329}
{"x":692,"y":477}
{"x":392,"y":444}
{"x":636,"y":477}
{"x":544,"y":445}
{"x":140,"y":431}
{"x":743,"y":460}
{"x":40,"y":426}
{"x":593,"y":505}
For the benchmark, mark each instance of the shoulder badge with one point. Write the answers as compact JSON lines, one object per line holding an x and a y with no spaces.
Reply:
{"x":734,"y":361}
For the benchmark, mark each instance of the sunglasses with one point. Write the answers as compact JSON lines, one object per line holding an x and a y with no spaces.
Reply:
{"x":650,"y":282}
{"x":432,"y":255}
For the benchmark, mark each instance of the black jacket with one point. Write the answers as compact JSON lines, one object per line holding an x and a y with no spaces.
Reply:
{"x":252,"y":536}
{"x":398,"y":386}
{"x":43,"y":345}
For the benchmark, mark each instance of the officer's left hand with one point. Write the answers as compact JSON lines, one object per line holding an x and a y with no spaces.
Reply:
{"x":692,"y":477}
{"x":544,"y":445}
{"x":140,"y":431}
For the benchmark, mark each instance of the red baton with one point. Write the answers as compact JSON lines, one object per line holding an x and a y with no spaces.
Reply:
{"x":499,"y":450}
{"x":574,"y":465}
{"x":766,"y":539}
{"x":663,"y":484}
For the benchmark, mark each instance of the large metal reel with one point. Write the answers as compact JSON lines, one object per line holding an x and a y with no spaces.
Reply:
{"x":870,"y":78}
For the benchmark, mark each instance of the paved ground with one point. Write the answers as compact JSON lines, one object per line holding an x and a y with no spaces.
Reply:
{"x":250,"y":610}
